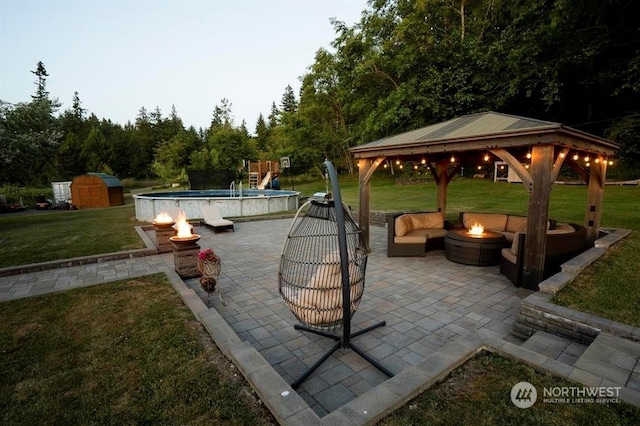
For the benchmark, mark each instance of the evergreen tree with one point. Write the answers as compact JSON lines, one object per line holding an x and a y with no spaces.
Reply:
{"x":262,"y":134}
{"x":41,"y":83}
{"x":289,"y":103}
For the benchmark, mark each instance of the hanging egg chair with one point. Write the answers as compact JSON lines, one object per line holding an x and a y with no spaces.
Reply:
{"x":322,"y":272}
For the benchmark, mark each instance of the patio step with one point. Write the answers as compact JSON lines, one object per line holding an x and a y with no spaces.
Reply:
{"x":613,"y":358}
{"x":555,"y":347}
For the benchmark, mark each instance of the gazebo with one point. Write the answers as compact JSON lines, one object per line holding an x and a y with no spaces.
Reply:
{"x":534,"y":149}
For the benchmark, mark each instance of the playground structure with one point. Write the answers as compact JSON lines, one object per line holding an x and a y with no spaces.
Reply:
{"x":261,"y":173}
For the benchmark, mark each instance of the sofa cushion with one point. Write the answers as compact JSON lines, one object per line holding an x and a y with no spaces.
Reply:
{"x":427,"y":220}
{"x":514,"y":244}
{"x":508,"y":235}
{"x":410,"y":239}
{"x":490,"y":221}
{"x":562,"y":228}
{"x":436,"y":233}
{"x":403,"y":225}
{"x":508,"y":255}
{"x":516,"y":223}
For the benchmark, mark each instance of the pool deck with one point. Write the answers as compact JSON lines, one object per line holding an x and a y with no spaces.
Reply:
{"x":438,"y":315}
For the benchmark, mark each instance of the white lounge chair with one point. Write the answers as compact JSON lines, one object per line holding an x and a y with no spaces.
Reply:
{"x":211,"y":217}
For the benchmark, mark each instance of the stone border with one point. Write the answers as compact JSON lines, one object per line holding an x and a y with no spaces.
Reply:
{"x":538,"y":313}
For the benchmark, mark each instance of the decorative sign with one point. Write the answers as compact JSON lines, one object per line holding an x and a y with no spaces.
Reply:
{"x":285,"y":162}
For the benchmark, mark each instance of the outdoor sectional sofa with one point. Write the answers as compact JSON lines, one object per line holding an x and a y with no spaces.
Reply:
{"x":564,"y":242}
{"x":415,"y":233}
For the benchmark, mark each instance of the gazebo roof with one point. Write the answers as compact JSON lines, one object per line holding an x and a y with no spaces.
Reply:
{"x":547,"y":146}
{"x":481,"y":131}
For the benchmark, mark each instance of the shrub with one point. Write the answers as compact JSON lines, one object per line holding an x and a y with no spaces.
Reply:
{"x":27,"y":195}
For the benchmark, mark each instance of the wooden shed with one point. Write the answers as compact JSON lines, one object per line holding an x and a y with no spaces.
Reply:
{"x":96,"y":190}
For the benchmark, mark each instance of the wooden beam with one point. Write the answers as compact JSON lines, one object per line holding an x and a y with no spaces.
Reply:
{"x":369,"y":173}
{"x":515,"y":165}
{"x":557,"y":165}
{"x":536,"y":241}
{"x":595,"y":195}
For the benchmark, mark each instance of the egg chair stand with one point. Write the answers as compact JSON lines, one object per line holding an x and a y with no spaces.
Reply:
{"x":322,"y":274}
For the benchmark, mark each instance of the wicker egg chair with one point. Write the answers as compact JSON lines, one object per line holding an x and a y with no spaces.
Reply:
{"x":322,"y":273}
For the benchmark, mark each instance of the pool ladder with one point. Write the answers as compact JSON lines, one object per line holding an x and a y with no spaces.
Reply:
{"x":232,"y":189}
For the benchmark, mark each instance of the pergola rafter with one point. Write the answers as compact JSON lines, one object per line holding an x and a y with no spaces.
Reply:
{"x":506,"y":137}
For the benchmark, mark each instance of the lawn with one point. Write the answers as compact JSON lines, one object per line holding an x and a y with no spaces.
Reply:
{"x":127,"y":352}
{"x":478,"y":393}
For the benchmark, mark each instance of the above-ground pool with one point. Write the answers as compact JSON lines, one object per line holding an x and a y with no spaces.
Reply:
{"x":249,"y":202}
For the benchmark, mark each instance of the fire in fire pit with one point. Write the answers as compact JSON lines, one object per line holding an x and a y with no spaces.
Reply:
{"x":163,"y":220}
{"x":476,"y":230}
{"x":184,"y":230}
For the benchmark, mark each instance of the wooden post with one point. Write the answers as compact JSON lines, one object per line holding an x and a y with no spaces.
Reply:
{"x":536,"y":240}
{"x":365,"y":199}
{"x":593,"y":216}
{"x":442,"y":177}
{"x":365,"y":170}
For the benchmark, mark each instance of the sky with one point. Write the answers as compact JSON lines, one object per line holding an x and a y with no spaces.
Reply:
{"x":121,"y":55}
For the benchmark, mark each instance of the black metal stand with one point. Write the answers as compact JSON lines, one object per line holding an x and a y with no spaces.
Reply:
{"x":337,"y":346}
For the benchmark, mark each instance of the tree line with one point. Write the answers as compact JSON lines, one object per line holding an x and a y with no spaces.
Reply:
{"x":405,"y":64}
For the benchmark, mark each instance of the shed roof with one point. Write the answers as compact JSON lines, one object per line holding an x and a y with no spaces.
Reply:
{"x":477,"y":131}
{"x":109,"y":180}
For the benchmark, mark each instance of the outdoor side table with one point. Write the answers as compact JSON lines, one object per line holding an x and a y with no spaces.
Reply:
{"x":469,"y":249}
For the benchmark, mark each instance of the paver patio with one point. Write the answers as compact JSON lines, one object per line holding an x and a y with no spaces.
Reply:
{"x":426,"y":303}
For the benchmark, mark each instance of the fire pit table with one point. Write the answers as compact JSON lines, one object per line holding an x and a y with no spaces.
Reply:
{"x":481,"y":249}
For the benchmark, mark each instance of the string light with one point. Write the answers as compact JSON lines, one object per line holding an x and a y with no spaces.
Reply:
{"x":453,"y":159}
{"x":529,"y":155}
{"x":575,"y":157}
{"x":562,"y":155}
{"x":486,"y":157}
{"x":586,"y":159}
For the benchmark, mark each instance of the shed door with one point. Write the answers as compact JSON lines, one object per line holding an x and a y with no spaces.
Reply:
{"x":90,"y":196}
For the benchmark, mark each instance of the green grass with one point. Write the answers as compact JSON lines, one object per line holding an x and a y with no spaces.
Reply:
{"x":127,"y":352}
{"x":478,"y":393}
{"x":44,"y":236}
{"x":609,"y":287}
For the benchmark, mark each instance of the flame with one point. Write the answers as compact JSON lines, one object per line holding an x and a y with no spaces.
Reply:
{"x":163,"y":217}
{"x":183,"y":228}
{"x":476,"y":229}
